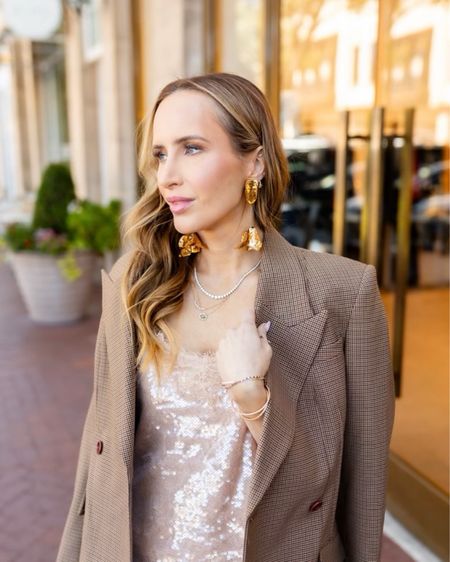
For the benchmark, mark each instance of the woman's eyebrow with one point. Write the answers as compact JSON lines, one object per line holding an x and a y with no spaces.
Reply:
{"x":181,"y":140}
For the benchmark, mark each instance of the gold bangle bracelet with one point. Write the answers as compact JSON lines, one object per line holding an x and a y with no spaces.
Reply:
{"x":250,"y":416}
{"x":254,"y":417}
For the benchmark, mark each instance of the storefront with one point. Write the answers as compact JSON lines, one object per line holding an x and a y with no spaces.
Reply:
{"x":361,"y":91}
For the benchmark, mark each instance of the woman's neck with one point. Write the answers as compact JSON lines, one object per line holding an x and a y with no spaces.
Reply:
{"x":222,"y":258}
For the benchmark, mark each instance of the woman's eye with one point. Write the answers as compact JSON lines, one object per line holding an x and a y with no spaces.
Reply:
{"x":158,"y":155}
{"x":188,"y":149}
{"x":191,"y":148}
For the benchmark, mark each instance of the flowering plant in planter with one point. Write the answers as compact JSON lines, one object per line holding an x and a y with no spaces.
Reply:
{"x":53,"y":257}
{"x":59,"y":230}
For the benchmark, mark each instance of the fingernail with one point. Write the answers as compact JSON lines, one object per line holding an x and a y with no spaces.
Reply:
{"x":267,"y":325}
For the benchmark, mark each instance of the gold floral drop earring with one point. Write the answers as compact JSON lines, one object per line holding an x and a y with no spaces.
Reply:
{"x":250,"y":238}
{"x":190,"y":244}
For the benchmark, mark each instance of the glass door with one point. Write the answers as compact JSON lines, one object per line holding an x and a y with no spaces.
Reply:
{"x":414,"y":87}
{"x":364,"y":115}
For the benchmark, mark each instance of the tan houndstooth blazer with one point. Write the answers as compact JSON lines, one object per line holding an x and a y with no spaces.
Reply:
{"x":317,"y":490}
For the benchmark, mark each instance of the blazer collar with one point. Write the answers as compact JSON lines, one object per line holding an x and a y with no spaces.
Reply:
{"x":281,"y":277}
{"x":295,"y":335}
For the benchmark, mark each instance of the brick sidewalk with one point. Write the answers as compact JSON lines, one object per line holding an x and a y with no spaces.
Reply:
{"x":45,"y":385}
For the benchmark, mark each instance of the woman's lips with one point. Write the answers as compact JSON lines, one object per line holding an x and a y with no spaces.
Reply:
{"x":180,"y":206}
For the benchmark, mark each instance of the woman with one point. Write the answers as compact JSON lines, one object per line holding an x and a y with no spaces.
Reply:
{"x":243,"y":393}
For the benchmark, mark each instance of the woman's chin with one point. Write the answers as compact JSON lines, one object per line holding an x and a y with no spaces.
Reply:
{"x":187,"y":227}
{"x":183,"y":228}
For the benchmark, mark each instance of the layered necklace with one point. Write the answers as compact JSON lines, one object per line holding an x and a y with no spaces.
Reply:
{"x":205,"y":311}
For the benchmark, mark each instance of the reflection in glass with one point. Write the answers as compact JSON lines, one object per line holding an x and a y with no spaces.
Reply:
{"x":415,"y":48}
{"x":241,"y":43}
{"x":359,"y":55}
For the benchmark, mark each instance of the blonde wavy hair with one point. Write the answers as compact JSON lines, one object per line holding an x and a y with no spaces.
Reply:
{"x":154,"y":283}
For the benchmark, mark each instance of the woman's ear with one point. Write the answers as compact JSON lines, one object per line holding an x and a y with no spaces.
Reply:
{"x":257,"y":164}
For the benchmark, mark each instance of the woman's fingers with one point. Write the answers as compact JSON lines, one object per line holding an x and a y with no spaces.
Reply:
{"x":263,"y":329}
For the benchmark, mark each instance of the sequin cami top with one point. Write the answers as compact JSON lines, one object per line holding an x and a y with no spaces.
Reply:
{"x":193,"y":461}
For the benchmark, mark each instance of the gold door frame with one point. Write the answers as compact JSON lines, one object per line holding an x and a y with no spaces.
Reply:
{"x":403,"y":246}
{"x":371,"y":213}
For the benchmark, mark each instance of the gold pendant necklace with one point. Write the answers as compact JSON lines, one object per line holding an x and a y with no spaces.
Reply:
{"x":205,"y":311}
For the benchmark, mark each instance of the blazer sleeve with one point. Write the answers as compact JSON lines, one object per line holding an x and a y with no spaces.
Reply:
{"x":368,"y":428}
{"x":70,"y":545}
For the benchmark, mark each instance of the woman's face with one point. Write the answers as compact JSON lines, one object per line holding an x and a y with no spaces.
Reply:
{"x":199,"y":174}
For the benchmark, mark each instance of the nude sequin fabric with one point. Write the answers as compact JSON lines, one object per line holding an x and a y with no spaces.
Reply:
{"x":193,"y":461}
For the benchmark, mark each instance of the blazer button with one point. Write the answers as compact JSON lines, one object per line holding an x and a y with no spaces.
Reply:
{"x":315,"y":505}
{"x":99,"y":447}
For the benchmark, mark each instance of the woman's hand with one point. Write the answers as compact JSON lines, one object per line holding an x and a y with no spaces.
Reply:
{"x":243,"y":352}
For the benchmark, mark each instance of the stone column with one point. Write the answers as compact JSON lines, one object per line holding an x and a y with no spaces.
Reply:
{"x":164,"y":45}
{"x":11,"y":174}
{"x":25,"y":116}
{"x":118,"y":109}
{"x":75,"y":102}
{"x":29,"y":114}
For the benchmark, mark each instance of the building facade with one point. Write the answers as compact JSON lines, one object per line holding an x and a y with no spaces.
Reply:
{"x":361,"y":93}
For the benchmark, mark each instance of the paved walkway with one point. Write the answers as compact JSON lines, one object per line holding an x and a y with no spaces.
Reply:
{"x":45,"y":385}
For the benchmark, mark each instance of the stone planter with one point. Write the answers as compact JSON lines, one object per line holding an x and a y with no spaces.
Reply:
{"x":48,"y":296}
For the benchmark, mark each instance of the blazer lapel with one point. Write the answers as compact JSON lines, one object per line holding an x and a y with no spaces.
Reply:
{"x":122,"y":364}
{"x":295,"y":334}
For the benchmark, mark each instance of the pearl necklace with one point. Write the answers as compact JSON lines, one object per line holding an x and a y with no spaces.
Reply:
{"x":228,"y":293}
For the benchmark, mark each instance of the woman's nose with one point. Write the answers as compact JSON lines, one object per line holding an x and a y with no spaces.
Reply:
{"x":168,"y":174}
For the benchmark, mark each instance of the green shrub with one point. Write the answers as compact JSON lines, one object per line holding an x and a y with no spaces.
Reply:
{"x":54,"y":195}
{"x":94,"y":227}
{"x":61,"y":224}
{"x":89,"y":226}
